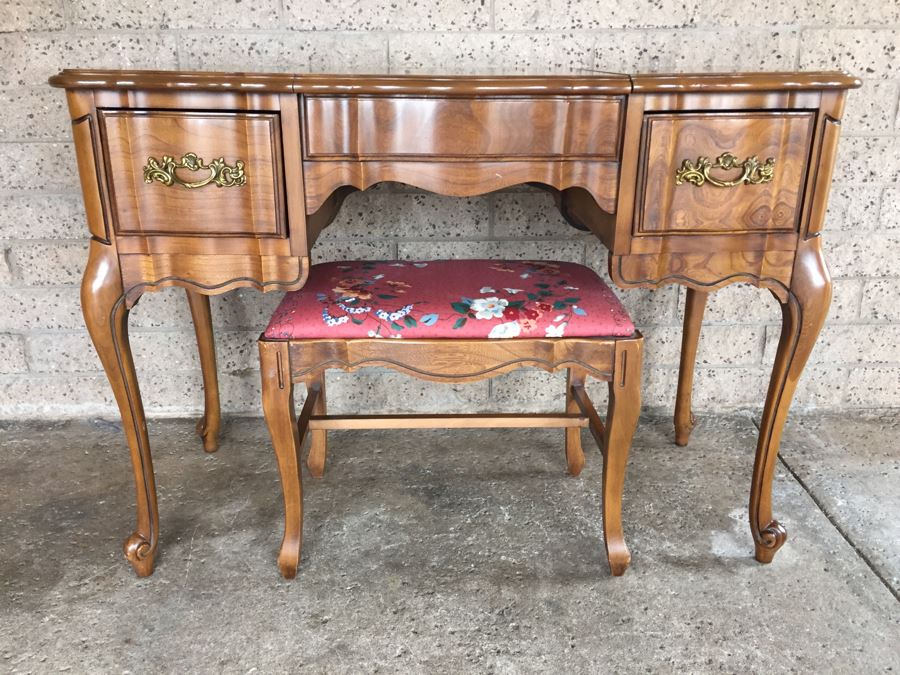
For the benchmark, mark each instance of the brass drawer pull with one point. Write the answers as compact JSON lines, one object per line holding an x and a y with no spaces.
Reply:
{"x":220,"y":174}
{"x":754,"y":173}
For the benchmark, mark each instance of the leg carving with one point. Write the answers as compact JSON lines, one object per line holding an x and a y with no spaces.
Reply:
{"x":621,"y":421}
{"x":574,"y":451}
{"x":106,"y":317}
{"x":209,"y":424}
{"x":693,"y":320}
{"x":318,"y":449}
{"x":278,"y":406}
{"x":803,"y":314}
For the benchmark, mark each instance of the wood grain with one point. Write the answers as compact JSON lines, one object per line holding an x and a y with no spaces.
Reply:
{"x":831,"y":129}
{"x":213,"y":274}
{"x":88,"y":168}
{"x":621,"y":421}
{"x":743,"y":83}
{"x":318,"y":447}
{"x":369,"y":127}
{"x":575,"y":377}
{"x":686,"y":208}
{"x":703,"y":271}
{"x":461,"y":179}
{"x":467,"y":361}
{"x":106,"y":318}
{"x":278,"y":407}
{"x":449,"y":421}
{"x":451,"y":85}
{"x":803,"y":315}
{"x":255,"y":209}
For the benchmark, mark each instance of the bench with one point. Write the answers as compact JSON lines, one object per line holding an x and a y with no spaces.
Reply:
{"x":451,"y":321}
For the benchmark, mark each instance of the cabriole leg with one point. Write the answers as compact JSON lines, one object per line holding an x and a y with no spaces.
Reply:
{"x":278,"y":407}
{"x":695,"y":305}
{"x":803,"y":314}
{"x":209,"y":424}
{"x":106,"y":317}
{"x":621,"y":422}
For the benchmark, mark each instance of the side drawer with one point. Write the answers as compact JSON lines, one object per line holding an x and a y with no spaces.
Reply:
{"x":188,"y":173}
{"x":723,"y":172}
{"x":376,"y":127}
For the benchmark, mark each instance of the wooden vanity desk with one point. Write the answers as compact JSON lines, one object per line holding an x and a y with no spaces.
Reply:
{"x":214,"y":181}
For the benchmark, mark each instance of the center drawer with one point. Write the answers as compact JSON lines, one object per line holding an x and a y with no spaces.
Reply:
{"x":377,"y":127}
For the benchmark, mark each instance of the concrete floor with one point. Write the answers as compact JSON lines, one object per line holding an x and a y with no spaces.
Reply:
{"x":452,"y":552}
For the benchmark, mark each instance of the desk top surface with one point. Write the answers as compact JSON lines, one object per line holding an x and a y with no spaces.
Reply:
{"x":586,"y":83}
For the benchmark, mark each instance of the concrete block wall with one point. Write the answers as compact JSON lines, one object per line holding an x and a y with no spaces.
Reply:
{"x":47,"y":368}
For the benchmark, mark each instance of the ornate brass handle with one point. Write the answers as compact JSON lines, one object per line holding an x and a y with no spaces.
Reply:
{"x":220,"y":174}
{"x":754,"y":173}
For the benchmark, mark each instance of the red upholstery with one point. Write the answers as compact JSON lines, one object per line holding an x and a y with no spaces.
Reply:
{"x":450,"y":299}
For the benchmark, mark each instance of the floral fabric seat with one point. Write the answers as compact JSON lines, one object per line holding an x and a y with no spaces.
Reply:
{"x":450,"y":299}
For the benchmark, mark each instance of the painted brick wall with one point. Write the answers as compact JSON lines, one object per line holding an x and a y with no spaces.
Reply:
{"x":47,"y":368}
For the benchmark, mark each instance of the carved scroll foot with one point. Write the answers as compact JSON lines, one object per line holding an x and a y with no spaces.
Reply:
{"x":695,"y":305}
{"x":281,"y":418}
{"x":803,"y":313}
{"x":574,"y":450}
{"x":209,"y":424}
{"x":106,"y":317}
{"x":140,"y":553}
{"x":768,"y":540}
{"x":621,"y":422}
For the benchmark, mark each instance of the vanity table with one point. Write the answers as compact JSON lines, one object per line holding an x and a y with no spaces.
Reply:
{"x":214,"y":181}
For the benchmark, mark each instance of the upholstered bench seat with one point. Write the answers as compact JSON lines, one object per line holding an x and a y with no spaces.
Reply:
{"x":450,"y":299}
{"x":459,"y":321}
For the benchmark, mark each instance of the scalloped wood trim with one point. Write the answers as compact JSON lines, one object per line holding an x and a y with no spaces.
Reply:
{"x":461,"y":179}
{"x":454,"y":360}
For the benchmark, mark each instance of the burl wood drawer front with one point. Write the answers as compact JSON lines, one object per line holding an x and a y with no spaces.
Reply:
{"x":241,"y":196}
{"x":361,"y":127}
{"x":721,"y":188}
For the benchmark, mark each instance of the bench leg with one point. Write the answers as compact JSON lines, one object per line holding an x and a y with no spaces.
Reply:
{"x":318,"y":448}
{"x":278,"y":407}
{"x":574,"y":451}
{"x":621,"y":421}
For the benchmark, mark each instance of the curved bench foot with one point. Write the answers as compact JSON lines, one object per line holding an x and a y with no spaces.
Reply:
{"x":621,"y":421}
{"x":278,"y":407}
{"x":289,"y":557}
{"x":619,"y":557}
